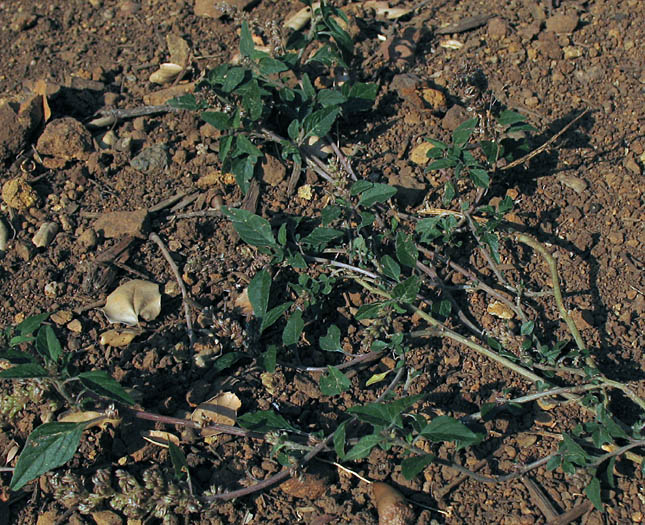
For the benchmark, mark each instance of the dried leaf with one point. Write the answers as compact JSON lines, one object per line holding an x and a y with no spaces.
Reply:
{"x":500,"y":310}
{"x":72,"y":416}
{"x":383,"y":9}
{"x":221,"y":409}
{"x":301,"y":18}
{"x":132,"y":300}
{"x":118,"y":338}
{"x":451,"y":44}
{"x":178,"y":48}
{"x":160,"y":438}
{"x":242,"y":302}
{"x":166,"y":73}
{"x":40,"y":88}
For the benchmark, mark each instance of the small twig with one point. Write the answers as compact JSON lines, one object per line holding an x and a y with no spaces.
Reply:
{"x":573,"y":514}
{"x":465,"y":24}
{"x":112,"y":116}
{"x":167,"y":202}
{"x":540,"y":499}
{"x":544,"y":146}
{"x":189,"y":324}
{"x":361,"y":359}
{"x":345,"y":469}
{"x":343,"y":160}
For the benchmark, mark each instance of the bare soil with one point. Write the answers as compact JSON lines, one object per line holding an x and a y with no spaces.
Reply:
{"x":583,"y":196}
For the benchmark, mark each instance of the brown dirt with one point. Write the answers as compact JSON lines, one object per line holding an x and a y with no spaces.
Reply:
{"x":584,"y":196}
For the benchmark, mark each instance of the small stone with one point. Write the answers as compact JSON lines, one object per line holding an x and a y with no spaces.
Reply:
{"x":45,"y":234}
{"x":118,"y":338}
{"x":582,"y":319}
{"x":75,"y":326}
{"x":49,"y":517}
{"x":208,"y":180}
{"x":18,"y":194}
{"x":211,"y":9}
{"x":87,"y":239}
{"x":151,"y":160}
{"x":66,"y":139}
{"x":576,"y":184}
{"x":454,"y":117}
{"x":4,"y":235}
{"x":497,"y":28}
{"x":525,"y":440}
{"x":419,"y":154}
{"x":118,"y":223}
{"x":562,"y":23}
{"x":310,"y":486}
{"x":61,"y":317}
{"x":53,"y":289}
{"x":435,"y":99}
{"x":106,"y":517}
{"x":171,"y":288}
{"x":572,"y":52}
{"x":632,"y":165}
{"x":24,"y":250}
{"x":616,"y":237}
{"x":510,"y":452}
{"x":500,"y":310}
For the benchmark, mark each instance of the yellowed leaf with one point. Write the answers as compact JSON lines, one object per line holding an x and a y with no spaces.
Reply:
{"x":178,"y":48}
{"x":160,"y":438}
{"x":499,"y":309}
{"x":72,"y":416}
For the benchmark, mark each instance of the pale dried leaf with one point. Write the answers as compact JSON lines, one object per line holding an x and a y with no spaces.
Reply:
{"x":221,"y":409}
{"x":134,"y":299}
{"x":118,"y":338}
{"x":451,"y":44}
{"x":13,"y":451}
{"x":166,"y":73}
{"x":72,"y":416}
{"x":300,"y":19}
{"x":383,"y":9}
{"x":160,"y":438}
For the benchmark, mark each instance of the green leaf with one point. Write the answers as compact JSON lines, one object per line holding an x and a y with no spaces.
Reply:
{"x":308,"y":90}
{"x":492,"y":241}
{"x":377,"y":193}
{"x":100,"y":382}
{"x":446,"y":428}
{"x":491,"y":150}
{"x":187,"y":101}
{"x":359,"y":187}
{"x":329,"y":214}
{"x":508,"y":118}
{"x":322,"y":235}
{"x":384,"y":414}
{"x":259,"y":291}
{"x":252,"y":100}
{"x":225,"y":144}
{"x":327,"y":56}
{"x":31,"y":324}
{"x":48,"y":339}
{"x":264,"y":421}
{"x":527,"y":328}
{"x":178,"y":460}
{"x":227,"y":360}
{"x":217,"y":119}
{"x":369,"y":311}
{"x":463,"y":132}
{"x":48,"y":446}
{"x":293,"y":329}
{"x":273,"y":315}
{"x":19,"y":339}
{"x":331,"y":341}
{"x":269,"y":358}
{"x":363,"y":448}
{"x":330,"y":97}
{"x":251,"y":228}
{"x":361,"y":97}
{"x":407,"y":291}
{"x":232,"y":79}
{"x":334,"y":383}
{"x":319,"y":123}
{"x":16,"y":357}
{"x":271,"y":66}
{"x":294,"y":130}
{"x":246,"y":40}
{"x":23,"y":371}
{"x":411,"y":467}
{"x":406,"y":251}
{"x":593,"y":493}
{"x":377,"y":378}
{"x":243,"y":169}
{"x":449,"y":193}
{"x":339,"y":440}
{"x":480,"y":177}
{"x":390,"y":267}
{"x":244,"y":145}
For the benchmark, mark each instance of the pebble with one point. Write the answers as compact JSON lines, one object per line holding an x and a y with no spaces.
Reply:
{"x":87,"y":239}
{"x":4,"y":236}
{"x":75,"y":326}
{"x":18,"y":194}
{"x":45,"y":235}
{"x":454,"y":117}
{"x":150,"y":160}
{"x":24,"y":250}
{"x":419,"y":154}
{"x":273,"y":171}
{"x":572,"y":52}
{"x":65,"y":138}
{"x":116,"y":223}
{"x":61,"y":317}
{"x":497,"y":28}
{"x":576,"y":184}
{"x":562,"y":23}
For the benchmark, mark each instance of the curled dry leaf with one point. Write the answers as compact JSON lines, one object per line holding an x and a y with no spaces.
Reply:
{"x":383,"y":9}
{"x":160,"y":438}
{"x":118,"y":338}
{"x":72,"y":416}
{"x":301,"y":18}
{"x":166,"y":73}
{"x":391,"y":506}
{"x":134,"y":299}
{"x":221,"y":409}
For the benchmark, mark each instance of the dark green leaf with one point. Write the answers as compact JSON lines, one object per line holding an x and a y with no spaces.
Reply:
{"x":49,"y":446}
{"x":322,"y":235}
{"x":294,"y":130}
{"x":54,"y":349}
{"x":369,"y":311}
{"x":217,"y":119}
{"x":227,"y":360}
{"x":406,"y":251}
{"x":446,"y":428}
{"x":100,"y":382}
{"x":359,"y":187}
{"x":251,"y":228}
{"x":259,"y":291}
{"x":390,"y":267}
{"x":246,"y":40}
{"x":411,"y":467}
{"x":19,"y":339}
{"x":243,"y":169}
{"x":244,"y":145}
{"x":407,"y":291}
{"x":487,"y":409}
{"x":319,"y":123}
{"x":367,"y":219}
{"x":232,"y":79}
{"x":331,"y":341}
{"x":463,"y":132}
{"x":293,"y":329}
{"x":252,"y":100}
{"x":270,"y":66}
{"x":480,"y":177}
{"x":449,"y":193}
{"x":491,"y":150}
{"x":264,"y":421}
{"x":384,"y":414}
{"x":327,"y":56}
{"x":334,"y":383}
{"x":16,"y":357}
{"x":437,"y":144}
{"x":339,"y":440}
{"x":178,"y":460}
{"x":329,"y":214}
{"x":273,"y":315}
{"x":308,"y":90}
{"x":225,"y":144}
{"x":269,"y":358}
{"x":330,"y":97}
{"x":507,"y":118}
{"x":187,"y":101}
{"x":572,"y":451}
{"x":441,"y":164}
{"x":593,"y":493}
{"x":31,"y":324}
{"x":527,"y":328}
{"x":363,"y":448}
{"x":492,"y":241}
{"x":23,"y":371}
{"x":377,"y":193}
